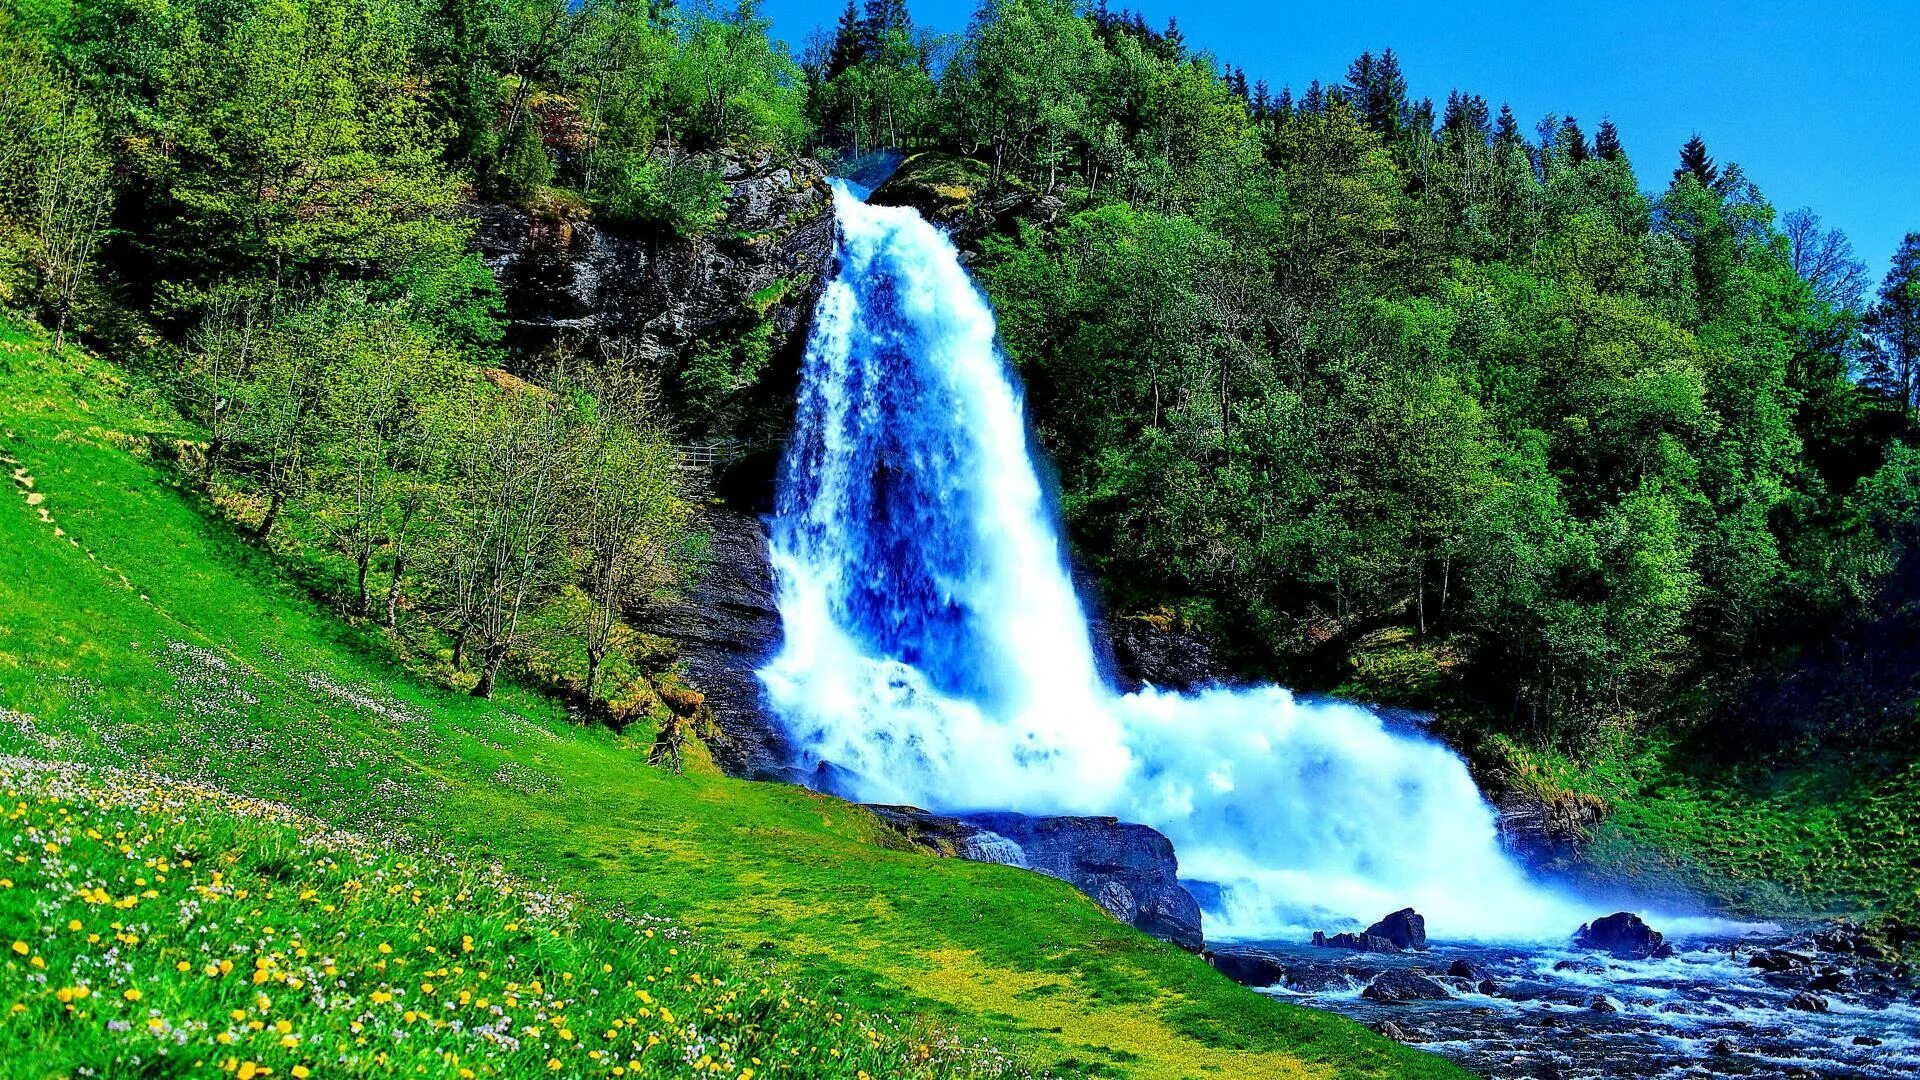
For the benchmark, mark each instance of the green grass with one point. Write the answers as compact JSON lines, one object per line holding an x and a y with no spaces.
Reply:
{"x":1823,"y":835}
{"x":138,"y":632}
{"x":175,"y":924}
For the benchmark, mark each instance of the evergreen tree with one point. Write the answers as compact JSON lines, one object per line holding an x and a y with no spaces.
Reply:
{"x":848,"y":47}
{"x":1606,"y":142}
{"x":883,"y":18}
{"x":1572,"y":142}
{"x":1378,"y":92}
{"x":1315,"y":100}
{"x":1694,"y":162}
{"x":1506,"y":130}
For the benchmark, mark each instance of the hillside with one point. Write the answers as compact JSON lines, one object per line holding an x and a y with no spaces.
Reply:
{"x":144,"y":635}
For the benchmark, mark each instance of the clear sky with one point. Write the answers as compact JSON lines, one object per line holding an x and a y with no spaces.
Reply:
{"x":1819,"y":102}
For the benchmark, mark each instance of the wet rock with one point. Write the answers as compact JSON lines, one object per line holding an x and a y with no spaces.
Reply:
{"x":1461,"y":969}
{"x":1829,"y":980}
{"x":725,"y":626}
{"x":1865,"y":1040}
{"x":1161,"y":649}
{"x":1849,"y":938}
{"x":1395,"y":1032}
{"x":1316,"y":978}
{"x":1807,"y":1001}
{"x":1778,"y":960}
{"x":1487,"y":987}
{"x":1355,"y":942}
{"x":1390,"y":987}
{"x":1128,"y":869}
{"x":1406,"y":928}
{"x":1581,"y":967}
{"x":1723,"y":1047}
{"x":1625,"y":935}
{"x":1603,"y":1005}
{"x":1249,"y":967}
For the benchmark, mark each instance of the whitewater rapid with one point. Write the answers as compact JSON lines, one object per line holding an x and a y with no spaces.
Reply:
{"x":936,"y":652}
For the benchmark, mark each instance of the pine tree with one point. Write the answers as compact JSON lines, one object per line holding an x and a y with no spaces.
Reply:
{"x":848,"y":50}
{"x":1694,"y":162}
{"x":1572,"y":142}
{"x":1315,"y":99}
{"x":1262,"y":100}
{"x":1507,"y":128}
{"x":1606,"y":142}
{"x":883,"y":18}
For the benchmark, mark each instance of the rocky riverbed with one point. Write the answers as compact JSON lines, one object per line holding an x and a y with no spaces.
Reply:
{"x":1764,"y":1003}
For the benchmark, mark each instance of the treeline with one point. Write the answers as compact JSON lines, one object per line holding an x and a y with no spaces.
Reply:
{"x":1412,"y":398}
{"x":1406,"y":396}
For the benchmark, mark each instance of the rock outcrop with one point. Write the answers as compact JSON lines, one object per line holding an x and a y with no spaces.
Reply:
{"x":1391,"y":987}
{"x":1625,"y":935}
{"x":1249,"y":967}
{"x":956,"y":194}
{"x":725,"y":626}
{"x":1403,"y":930}
{"x":1127,"y":869}
{"x":599,"y":289}
{"x":1406,"y":928}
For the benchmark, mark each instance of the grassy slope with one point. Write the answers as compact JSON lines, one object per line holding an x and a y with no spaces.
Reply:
{"x":1825,"y":835}
{"x":144,"y":634}
{"x":146,"y":920}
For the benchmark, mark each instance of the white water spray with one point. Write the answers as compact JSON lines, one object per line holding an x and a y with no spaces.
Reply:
{"x":935,"y":650}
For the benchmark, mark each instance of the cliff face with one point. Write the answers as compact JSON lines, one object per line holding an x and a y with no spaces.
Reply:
{"x":599,"y":291}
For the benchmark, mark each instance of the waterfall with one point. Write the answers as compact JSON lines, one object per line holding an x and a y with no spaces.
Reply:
{"x":936,"y":653}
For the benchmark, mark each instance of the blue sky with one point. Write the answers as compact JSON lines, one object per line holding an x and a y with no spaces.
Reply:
{"x":1819,"y":106}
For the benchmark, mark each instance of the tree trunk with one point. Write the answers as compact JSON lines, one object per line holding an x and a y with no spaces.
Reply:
{"x":460,"y":649}
{"x":364,"y":605}
{"x":594,"y":657}
{"x":273,"y":514}
{"x":496,"y":654}
{"x":393,"y":589}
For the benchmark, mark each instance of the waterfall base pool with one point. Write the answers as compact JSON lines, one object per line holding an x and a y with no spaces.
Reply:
{"x":1702,"y":1013}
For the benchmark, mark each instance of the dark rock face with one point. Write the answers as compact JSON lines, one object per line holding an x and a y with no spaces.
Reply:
{"x":1406,"y":928}
{"x":581,"y":284}
{"x":726,"y":626}
{"x":954,"y":193}
{"x":1625,"y":935}
{"x":1156,"y":649}
{"x":1129,"y":870}
{"x":1389,"y":987}
{"x":1249,"y":967}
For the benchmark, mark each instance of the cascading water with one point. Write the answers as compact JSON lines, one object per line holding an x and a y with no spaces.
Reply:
{"x":936,"y":651}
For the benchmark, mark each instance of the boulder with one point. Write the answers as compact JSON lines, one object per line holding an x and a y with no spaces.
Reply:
{"x":1625,"y":935}
{"x":1849,"y":938}
{"x":1462,"y":969}
{"x":1779,"y":960}
{"x":1249,"y":967}
{"x":1395,"y":1032}
{"x":1393,"y":987}
{"x":1807,"y":1001}
{"x":1406,"y":928}
{"x":1603,"y":1005}
{"x":1128,"y":870}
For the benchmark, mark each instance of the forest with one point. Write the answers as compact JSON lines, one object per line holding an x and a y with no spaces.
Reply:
{"x":1581,"y":441}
